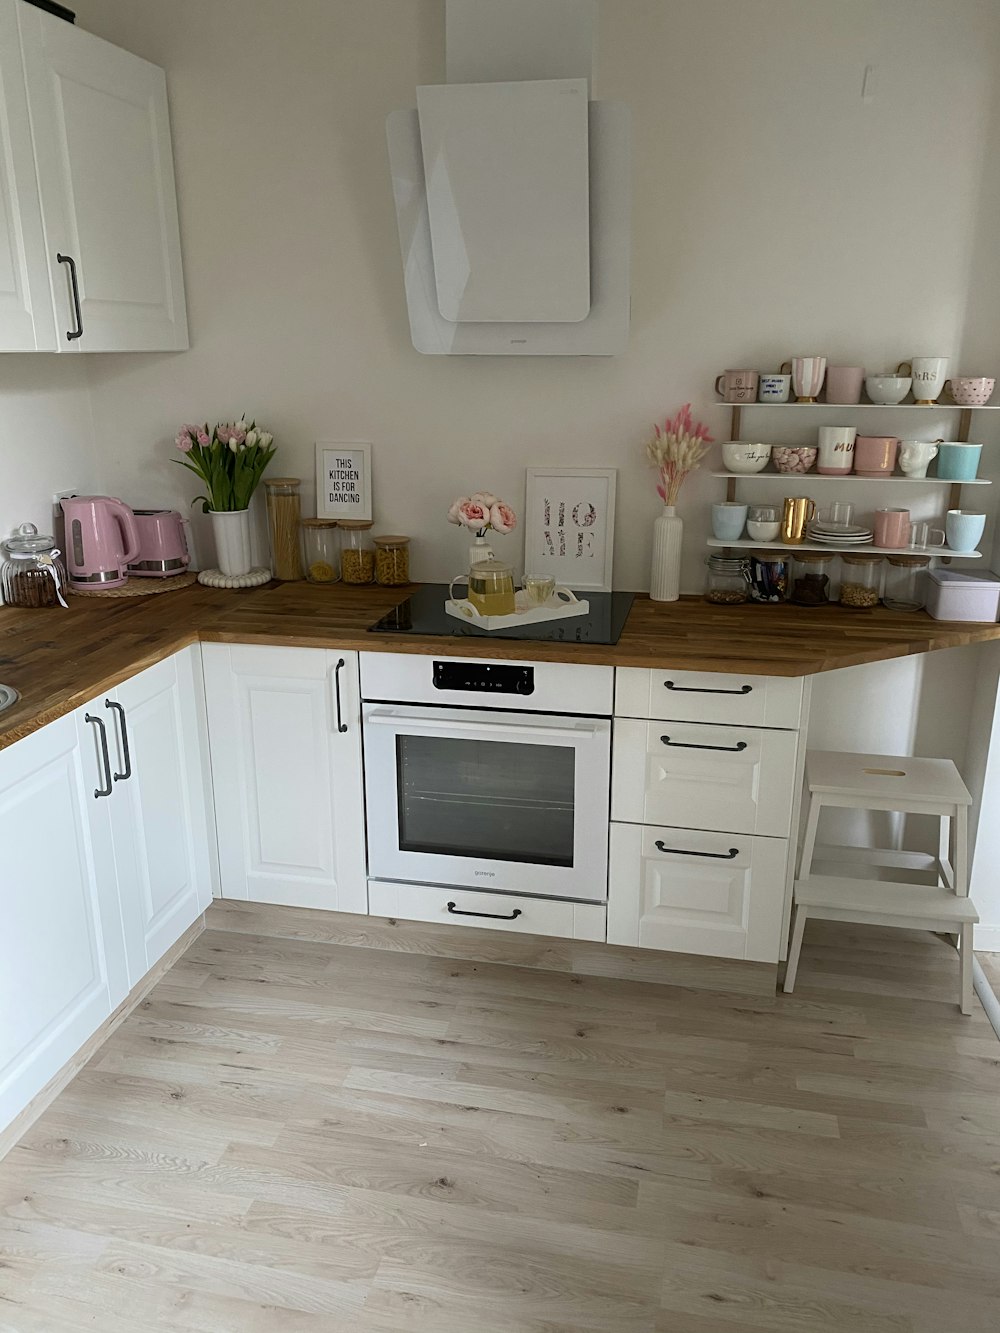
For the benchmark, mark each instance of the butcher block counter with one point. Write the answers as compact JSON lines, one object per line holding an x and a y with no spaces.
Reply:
{"x":60,"y":659}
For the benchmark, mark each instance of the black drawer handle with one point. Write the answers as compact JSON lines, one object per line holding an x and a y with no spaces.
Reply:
{"x":488,"y":916}
{"x":117,"y":708}
{"x":690,"y":745}
{"x":694,"y":689}
{"x":73,"y":334}
{"x":102,"y":732}
{"x":682,"y":851}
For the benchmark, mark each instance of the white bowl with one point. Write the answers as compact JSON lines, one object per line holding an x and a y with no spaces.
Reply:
{"x":741,"y":456}
{"x":887,"y":388}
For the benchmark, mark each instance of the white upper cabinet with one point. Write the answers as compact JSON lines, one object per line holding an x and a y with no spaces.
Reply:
{"x":100,"y":138}
{"x":25,"y":294}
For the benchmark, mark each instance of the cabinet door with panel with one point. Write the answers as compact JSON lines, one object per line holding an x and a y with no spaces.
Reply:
{"x":25,"y":297}
{"x":101,"y":135}
{"x":285,"y":736}
{"x":160,"y":814}
{"x":687,"y":891}
{"x":689,"y":775}
{"x":62,"y":954}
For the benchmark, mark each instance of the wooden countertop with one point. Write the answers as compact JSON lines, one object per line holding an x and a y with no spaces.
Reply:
{"x":59,"y":659}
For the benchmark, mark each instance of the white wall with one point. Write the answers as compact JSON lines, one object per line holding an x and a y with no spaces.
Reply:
{"x":775,"y":213}
{"x":46,"y":436}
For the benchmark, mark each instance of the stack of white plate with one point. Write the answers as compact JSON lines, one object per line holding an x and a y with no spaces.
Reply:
{"x":839,"y":534}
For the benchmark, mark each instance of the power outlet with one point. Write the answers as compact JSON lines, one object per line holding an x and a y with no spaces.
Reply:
{"x":61,"y":495}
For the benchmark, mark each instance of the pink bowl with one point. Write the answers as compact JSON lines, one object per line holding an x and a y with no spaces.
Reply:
{"x":796,"y":459}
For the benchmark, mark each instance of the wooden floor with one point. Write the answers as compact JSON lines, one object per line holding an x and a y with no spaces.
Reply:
{"x":298,"y":1137}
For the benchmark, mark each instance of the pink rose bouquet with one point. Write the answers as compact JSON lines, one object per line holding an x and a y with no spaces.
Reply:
{"x":230,"y":459}
{"x":481,"y":512}
{"x":676,"y":449}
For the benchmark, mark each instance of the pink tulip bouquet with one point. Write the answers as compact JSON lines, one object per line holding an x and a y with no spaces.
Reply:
{"x":230,"y":459}
{"x":482,"y":512}
{"x":676,"y":449}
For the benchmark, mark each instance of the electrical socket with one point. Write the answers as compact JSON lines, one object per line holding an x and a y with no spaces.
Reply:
{"x":61,"y":495}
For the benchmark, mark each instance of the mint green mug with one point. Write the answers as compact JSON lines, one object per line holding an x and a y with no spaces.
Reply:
{"x":958,"y":461}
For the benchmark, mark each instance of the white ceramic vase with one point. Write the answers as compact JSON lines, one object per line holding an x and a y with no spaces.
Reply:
{"x":665,"y":573}
{"x":231,"y":530}
{"x":479,"y":551}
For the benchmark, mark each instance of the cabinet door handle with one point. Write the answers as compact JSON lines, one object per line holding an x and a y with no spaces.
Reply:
{"x":103,"y":731}
{"x":690,"y":745}
{"x":696,"y":689}
{"x":486,"y":916}
{"x":341,"y":724}
{"x":683,"y":851}
{"x":123,"y":731}
{"x":73,"y":334}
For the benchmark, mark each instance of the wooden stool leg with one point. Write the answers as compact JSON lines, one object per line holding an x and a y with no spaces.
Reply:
{"x":795,"y":948}
{"x":961,"y":863}
{"x":945,"y":853}
{"x":965,"y":969}
{"x":809,"y":842}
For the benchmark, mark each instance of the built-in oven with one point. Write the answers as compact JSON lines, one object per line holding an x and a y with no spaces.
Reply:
{"x":488,"y":775}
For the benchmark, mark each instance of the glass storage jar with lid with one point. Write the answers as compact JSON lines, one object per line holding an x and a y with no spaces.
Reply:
{"x":906,"y":582}
{"x":727,"y":580}
{"x":357,"y":555}
{"x":321,"y":549}
{"x":861,"y":580}
{"x":283,"y":521}
{"x":811,"y":574}
{"x":392,"y":561}
{"x":31,"y":573}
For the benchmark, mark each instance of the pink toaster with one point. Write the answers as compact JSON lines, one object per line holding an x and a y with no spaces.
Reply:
{"x":163,"y":550}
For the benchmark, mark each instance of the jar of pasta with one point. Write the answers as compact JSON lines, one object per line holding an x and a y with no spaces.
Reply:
{"x":860,"y":580}
{"x":321,"y":549}
{"x":392,"y":561}
{"x":283,"y":508}
{"x":357,"y":555}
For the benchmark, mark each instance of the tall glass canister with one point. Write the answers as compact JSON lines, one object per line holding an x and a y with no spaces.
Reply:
{"x":321,"y":548}
{"x":283,"y":513}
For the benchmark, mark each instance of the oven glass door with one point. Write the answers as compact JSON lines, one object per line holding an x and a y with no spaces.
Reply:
{"x":506,"y":801}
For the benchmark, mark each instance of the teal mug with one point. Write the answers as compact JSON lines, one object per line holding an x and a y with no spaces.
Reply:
{"x":964,"y":530}
{"x":958,"y":461}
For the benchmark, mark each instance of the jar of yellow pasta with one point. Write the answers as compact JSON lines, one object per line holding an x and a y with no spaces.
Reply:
{"x":392,"y":561}
{"x":357,"y":555}
{"x":321,"y":549}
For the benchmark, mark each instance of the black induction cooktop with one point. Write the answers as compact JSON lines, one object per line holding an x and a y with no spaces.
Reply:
{"x":424,"y":613}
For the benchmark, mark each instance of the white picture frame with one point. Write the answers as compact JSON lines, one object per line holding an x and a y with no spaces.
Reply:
{"x":569,"y":526}
{"x":344,"y":479}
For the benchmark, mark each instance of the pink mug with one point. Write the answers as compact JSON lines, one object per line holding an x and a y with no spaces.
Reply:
{"x":738,"y":386}
{"x":875,"y":455}
{"x":892,"y":528}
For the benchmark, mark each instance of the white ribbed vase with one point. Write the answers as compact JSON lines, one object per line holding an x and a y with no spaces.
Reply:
{"x":231,"y":530}
{"x":665,"y":572}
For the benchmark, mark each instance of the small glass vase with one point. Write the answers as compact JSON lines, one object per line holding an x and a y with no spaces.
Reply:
{"x":231,"y":531}
{"x":665,"y":570}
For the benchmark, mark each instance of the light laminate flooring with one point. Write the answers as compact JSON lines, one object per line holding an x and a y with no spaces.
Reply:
{"x":291,"y":1136}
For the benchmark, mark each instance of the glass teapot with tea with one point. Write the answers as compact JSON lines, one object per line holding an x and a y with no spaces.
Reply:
{"x":491,"y":587}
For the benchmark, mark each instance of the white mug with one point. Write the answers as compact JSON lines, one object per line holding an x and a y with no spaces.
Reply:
{"x":915,"y":457}
{"x":836,"y":450}
{"x":773,"y":388}
{"x":929,"y":374}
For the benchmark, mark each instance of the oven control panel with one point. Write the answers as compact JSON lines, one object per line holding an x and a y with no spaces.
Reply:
{"x":484,"y":678}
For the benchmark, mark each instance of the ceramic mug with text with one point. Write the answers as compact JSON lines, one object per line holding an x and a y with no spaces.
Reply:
{"x":836,"y":450}
{"x":774,"y":388}
{"x":737,"y":386}
{"x":928,"y":374}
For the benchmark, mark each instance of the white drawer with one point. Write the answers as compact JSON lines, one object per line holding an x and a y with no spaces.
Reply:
{"x":686,"y":891}
{"x":709,"y":696}
{"x":688,"y":775}
{"x":499,"y":911}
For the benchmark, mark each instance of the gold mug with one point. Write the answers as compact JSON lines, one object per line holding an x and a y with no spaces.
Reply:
{"x":798,"y":513}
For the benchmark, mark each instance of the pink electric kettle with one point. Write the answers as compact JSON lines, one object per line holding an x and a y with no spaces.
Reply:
{"x":102,"y":537}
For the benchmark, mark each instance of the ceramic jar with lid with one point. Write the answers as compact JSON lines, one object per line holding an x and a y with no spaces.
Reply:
{"x":727,"y":580}
{"x":31,"y":573}
{"x":906,"y":582}
{"x":321,"y":549}
{"x":357,"y":554}
{"x":861,"y":580}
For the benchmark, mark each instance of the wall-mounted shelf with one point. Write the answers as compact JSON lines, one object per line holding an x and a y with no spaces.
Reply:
{"x":745,"y":544}
{"x":869,"y":407}
{"x":810,"y":477}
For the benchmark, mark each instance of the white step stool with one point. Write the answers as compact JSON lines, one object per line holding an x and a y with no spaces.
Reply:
{"x":911,"y":786}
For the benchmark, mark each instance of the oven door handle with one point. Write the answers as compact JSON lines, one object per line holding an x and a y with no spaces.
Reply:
{"x":386,"y":717}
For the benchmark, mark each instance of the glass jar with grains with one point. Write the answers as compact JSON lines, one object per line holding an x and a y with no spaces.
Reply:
{"x":861,"y":580}
{"x":283,"y":521}
{"x":357,"y":556}
{"x":392,"y":561}
{"x":321,"y":548}
{"x":727,"y":580}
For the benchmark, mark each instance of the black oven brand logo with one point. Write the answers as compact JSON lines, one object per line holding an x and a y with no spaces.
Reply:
{"x":486,"y":874}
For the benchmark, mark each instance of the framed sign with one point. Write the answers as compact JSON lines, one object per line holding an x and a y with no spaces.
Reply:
{"x":344,"y":480}
{"x":569,"y":526}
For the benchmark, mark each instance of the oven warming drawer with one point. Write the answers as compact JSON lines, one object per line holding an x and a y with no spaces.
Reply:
{"x":488,"y":911}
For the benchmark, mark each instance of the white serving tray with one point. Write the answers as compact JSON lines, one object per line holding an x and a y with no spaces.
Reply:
{"x":526,"y":614}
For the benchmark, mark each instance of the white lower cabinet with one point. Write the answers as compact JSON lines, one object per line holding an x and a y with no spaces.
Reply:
{"x":285,"y":736}
{"x":62,"y":955}
{"x":691,"y":891}
{"x":489,"y":911}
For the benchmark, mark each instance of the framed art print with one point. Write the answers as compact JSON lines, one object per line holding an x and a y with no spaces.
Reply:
{"x":344,"y":480}
{"x":569,"y":526}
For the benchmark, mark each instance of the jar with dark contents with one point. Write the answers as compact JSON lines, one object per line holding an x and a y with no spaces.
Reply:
{"x":770,"y":580}
{"x":727,"y":580}
{"x":31,"y":574}
{"x":811,"y":581}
